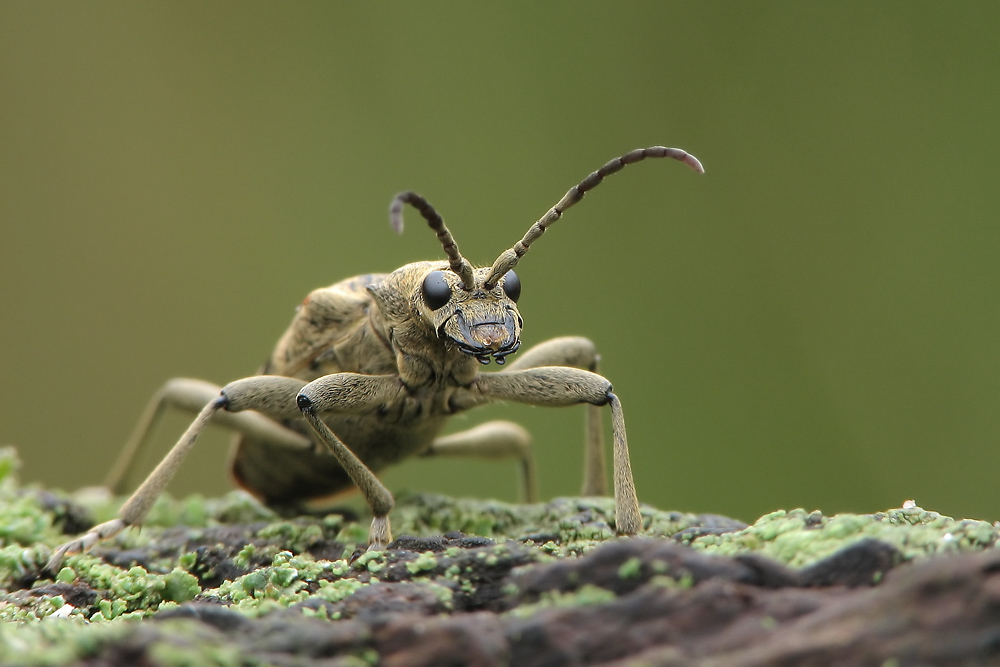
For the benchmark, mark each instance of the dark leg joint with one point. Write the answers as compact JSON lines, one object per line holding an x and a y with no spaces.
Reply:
{"x":608,"y":398}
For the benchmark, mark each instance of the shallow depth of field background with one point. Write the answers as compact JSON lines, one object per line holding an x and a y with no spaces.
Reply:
{"x":813,"y":322}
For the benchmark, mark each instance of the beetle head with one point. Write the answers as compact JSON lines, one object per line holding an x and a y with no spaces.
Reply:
{"x":428,"y":299}
{"x":482,"y":322}
{"x":475,"y":308}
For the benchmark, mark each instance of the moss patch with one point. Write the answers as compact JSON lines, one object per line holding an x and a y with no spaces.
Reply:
{"x":799,"y":538}
{"x":229,"y":558}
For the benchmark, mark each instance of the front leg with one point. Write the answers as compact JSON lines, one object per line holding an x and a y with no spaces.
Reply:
{"x":576,"y":352}
{"x":558,"y":386}
{"x":351,"y":392}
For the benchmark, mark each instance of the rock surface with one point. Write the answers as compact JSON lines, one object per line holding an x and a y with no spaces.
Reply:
{"x":225,"y":582}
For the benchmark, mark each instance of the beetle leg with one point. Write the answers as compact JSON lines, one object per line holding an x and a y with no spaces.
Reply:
{"x":270,"y":394}
{"x":493,"y":440}
{"x":137,"y":506}
{"x":191,"y":396}
{"x":577,"y":352}
{"x":561,"y":385}
{"x":351,"y":392}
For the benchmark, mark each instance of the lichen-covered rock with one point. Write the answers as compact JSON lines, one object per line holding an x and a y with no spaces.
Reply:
{"x":227,"y":582}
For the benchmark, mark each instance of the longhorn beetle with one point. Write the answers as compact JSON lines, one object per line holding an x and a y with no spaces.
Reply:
{"x":370,"y":369}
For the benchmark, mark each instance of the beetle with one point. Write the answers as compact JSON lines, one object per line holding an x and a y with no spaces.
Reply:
{"x":371,"y":368}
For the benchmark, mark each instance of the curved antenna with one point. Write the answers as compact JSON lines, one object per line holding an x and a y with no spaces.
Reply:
{"x":509,"y":258}
{"x":458,"y":264}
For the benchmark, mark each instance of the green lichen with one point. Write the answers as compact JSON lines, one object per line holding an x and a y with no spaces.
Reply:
{"x":586,"y":595}
{"x":666,"y":581}
{"x":800,"y":538}
{"x":296,"y":537}
{"x":630,"y":569}
{"x":286,"y":581}
{"x":134,"y":591}
{"x":198,"y":647}
{"x":179,"y":586}
{"x":373,"y":561}
{"x":573,"y":520}
{"x":444,"y":594}
{"x":335,"y":591}
{"x":54,"y":643}
{"x":23,"y":521}
{"x":194,"y":511}
{"x":272,"y":564}
{"x":245,"y":556}
{"x":425,"y":562}
{"x":34,"y":608}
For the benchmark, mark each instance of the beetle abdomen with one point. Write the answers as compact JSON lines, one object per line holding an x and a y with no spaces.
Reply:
{"x":280,"y":476}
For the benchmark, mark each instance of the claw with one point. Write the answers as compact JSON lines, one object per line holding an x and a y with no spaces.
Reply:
{"x":85,"y":542}
{"x":380,"y":534}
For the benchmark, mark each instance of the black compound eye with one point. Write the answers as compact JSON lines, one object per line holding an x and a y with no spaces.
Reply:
{"x":435,"y":290}
{"x":512,"y":286}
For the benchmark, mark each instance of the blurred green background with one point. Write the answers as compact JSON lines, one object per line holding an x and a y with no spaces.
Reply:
{"x":811,"y":323}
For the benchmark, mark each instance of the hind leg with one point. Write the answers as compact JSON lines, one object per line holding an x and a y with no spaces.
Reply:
{"x":271,"y":395}
{"x":191,"y":396}
{"x":494,"y":440}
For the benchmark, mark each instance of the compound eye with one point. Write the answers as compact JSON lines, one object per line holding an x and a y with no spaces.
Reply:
{"x":435,"y":290}
{"x":512,"y":286}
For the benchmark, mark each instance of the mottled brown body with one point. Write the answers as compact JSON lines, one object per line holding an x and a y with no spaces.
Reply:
{"x":341,"y":329}
{"x":371,"y":368}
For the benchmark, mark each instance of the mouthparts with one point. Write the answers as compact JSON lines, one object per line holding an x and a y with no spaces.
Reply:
{"x":486,"y":340}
